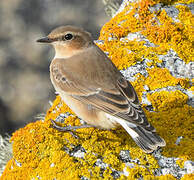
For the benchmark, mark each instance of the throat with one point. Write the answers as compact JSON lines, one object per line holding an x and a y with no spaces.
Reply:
{"x":66,"y":53}
{"x":61,"y":55}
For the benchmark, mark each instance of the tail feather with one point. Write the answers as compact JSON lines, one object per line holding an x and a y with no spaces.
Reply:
{"x":143,"y":145}
{"x":150,"y":145}
{"x":160,"y":141}
{"x":148,"y":141}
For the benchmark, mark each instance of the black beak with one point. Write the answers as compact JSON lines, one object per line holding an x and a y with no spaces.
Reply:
{"x":45,"y":40}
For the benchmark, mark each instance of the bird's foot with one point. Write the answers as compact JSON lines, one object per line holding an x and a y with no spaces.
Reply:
{"x":69,"y":128}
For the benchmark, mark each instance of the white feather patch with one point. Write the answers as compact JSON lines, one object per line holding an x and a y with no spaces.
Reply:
{"x":124,"y":124}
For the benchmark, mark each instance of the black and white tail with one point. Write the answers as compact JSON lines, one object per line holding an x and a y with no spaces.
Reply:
{"x":148,"y":141}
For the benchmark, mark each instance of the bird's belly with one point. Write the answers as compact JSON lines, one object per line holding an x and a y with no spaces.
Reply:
{"x":88,"y":113}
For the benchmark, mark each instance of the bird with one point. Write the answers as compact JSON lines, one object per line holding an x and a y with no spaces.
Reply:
{"x":91,"y":85}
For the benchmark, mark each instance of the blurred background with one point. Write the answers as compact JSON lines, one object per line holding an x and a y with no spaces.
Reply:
{"x":25,"y":87}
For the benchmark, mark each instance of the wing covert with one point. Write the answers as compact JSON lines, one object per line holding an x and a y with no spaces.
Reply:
{"x":119,"y":100}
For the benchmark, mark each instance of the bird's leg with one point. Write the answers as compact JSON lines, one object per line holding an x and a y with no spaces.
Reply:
{"x":69,"y":128}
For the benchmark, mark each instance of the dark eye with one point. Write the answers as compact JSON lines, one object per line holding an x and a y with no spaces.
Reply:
{"x":67,"y":37}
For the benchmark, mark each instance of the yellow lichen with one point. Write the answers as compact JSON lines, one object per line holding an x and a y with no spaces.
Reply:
{"x":174,"y":122}
{"x":39,"y":151}
{"x":37,"y":146}
{"x":164,"y":100}
{"x":165,"y":34}
{"x":166,"y":177}
{"x":188,"y":177}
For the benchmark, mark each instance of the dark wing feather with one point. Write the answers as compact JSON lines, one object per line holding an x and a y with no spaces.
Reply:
{"x":124,"y":105}
{"x":120,"y":100}
{"x":129,"y":92}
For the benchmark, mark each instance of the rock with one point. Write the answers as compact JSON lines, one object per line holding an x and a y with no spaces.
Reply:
{"x":153,"y":51}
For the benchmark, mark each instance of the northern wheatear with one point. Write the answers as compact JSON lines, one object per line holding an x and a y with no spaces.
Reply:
{"x":90,"y":84}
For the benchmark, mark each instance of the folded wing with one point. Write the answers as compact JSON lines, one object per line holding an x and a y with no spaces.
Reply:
{"x":120,"y":100}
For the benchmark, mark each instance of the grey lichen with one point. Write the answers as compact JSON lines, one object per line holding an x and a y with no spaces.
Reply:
{"x":168,"y":166}
{"x":176,"y":65}
{"x":5,"y":152}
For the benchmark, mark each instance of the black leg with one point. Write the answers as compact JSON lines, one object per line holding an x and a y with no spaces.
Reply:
{"x":69,"y":128}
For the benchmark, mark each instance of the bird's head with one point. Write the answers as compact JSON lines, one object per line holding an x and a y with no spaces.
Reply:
{"x":68,"y":40}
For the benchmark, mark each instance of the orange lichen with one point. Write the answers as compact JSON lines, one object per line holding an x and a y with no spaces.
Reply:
{"x":39,"y":151}
{"x":37,"y":146}
{"x":162,"y":31}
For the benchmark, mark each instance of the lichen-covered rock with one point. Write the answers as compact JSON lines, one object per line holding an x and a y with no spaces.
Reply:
{"x":151,"y":43}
